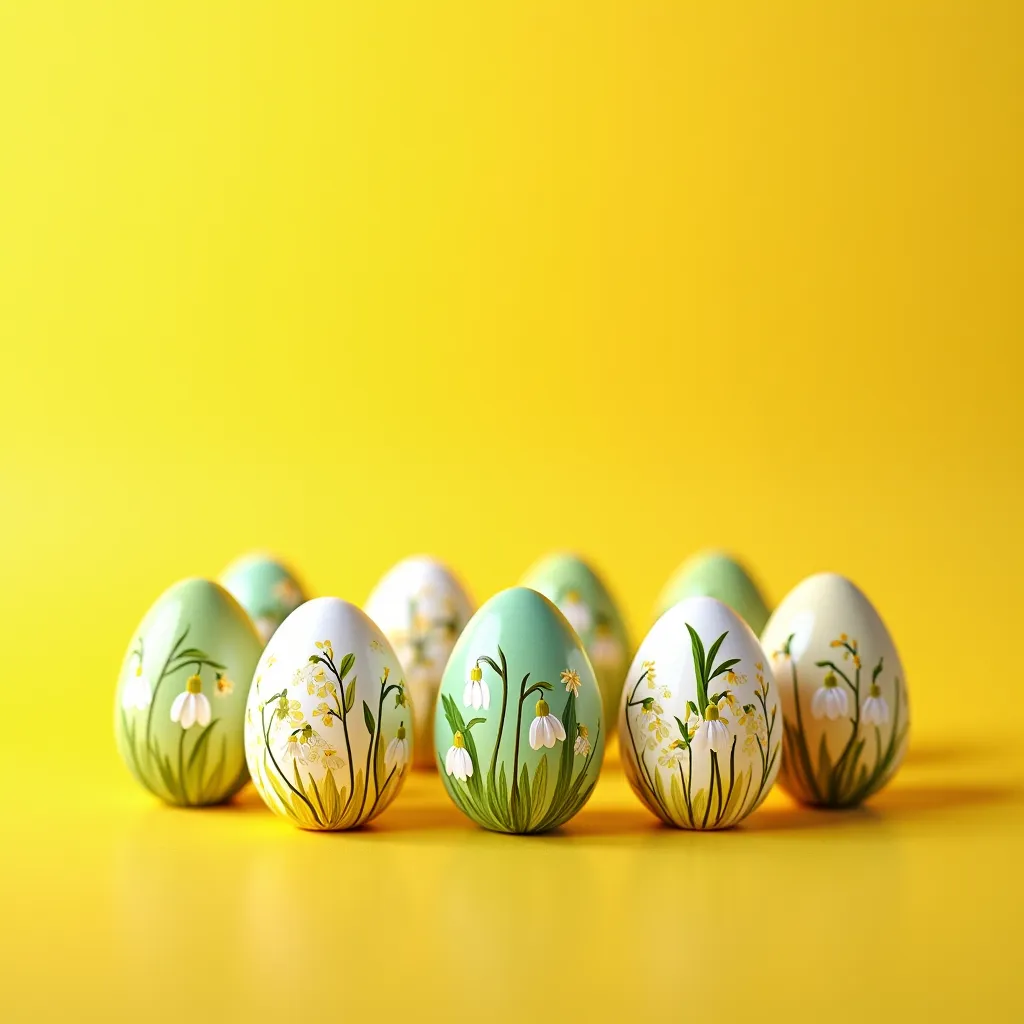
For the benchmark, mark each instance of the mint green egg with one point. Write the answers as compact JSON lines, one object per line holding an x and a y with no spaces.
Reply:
{"x":519,"y":732}
{"x":265,"y":588}
{"x":718,"y":575}
{"x":180,"y":704}
{"x":582,"y":597}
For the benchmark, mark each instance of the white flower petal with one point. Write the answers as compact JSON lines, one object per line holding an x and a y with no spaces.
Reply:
{"x":842,"y":701}
{"x":534,"y":734}
{"x":449,"y":759}
{"x":819,"y":703}
{"x":187,"y":717}
{"x":179,"y":703}
{"x":203,"y":712}
{"x":467,"y":695}
{"x":557,"y":728}
{"x":485,"y":700}
{"x":577,"y":613}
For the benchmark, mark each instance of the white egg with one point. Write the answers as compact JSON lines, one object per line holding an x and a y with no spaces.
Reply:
{"x":422,"y":609}
{"x":328,"y":724}
{"x":699,"y":723}
{"x":843,"y":693}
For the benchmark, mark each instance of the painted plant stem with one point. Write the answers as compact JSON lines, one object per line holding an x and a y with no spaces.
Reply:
{"x":371,"y":753}
{"x":277,"y":767}
{"x":805,"y":757}
{"x":503,"y":675}
{"x":538,"y":687}
{"x":341,"y":700}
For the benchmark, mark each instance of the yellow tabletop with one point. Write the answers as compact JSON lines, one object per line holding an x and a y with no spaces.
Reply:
{"x":118,"y":905}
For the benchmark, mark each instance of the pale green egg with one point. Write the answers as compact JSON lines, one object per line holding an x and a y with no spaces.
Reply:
{"x":180,"y":702}
{"x":519,"y":731}
{"x":266,"y":588}
{"x":718,"y":575}
{"x":582,"y":597}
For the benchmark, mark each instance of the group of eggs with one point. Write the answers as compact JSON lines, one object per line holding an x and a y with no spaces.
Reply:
{"x":327,"y":707}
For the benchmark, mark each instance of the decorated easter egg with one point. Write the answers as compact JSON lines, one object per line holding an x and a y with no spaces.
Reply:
{"x":700,"y":728}
{"x":181,"y":695}
{"x":422,"y":608}
{"x":716,"y":574}
{"x":584,"y":600}
{"x":843,"y":693}
{"x":328,"y":725}
{"x":518,"y":731}
{"x":265,"y":588}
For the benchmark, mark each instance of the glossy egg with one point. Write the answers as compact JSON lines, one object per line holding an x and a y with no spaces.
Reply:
{"x":700,"y":727}
{"x":328,"y":725}
{"x":843,"y":693}
{"x":716,"y":574}
{"x":181,"y":695}
{"x":583,"y":598}
{"x":518,"y":731}
{"x":265,"y":588}
{"x":422,"y":608}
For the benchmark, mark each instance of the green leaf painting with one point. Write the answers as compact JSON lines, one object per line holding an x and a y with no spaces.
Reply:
{"x":529,"y":797}
{"x":179,"y":770}
{"x":841,"y":774}
{"x":710,"y":766}
{"x":319,"y":776}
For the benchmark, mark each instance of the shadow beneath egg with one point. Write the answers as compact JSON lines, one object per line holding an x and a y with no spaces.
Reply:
{"x":926,"y":754}
{"x":893,"y":803}
{"x":424,"y":808}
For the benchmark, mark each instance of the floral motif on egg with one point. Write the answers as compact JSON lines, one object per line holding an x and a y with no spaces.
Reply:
{"x":481,"y":788}
{"x":424,"y":644}
{"x":711,"y":730}
{"x":310,"y":766}
{"x":180,"y":773}
{"x":593,"y":629}
{"x":839,"y":693}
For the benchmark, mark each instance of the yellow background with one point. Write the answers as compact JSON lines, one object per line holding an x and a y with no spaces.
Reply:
{"x":354,"y":281}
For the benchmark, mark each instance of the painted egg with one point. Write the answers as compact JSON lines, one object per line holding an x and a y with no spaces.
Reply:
{"x":843,"y":693}
{"x":700,"y":727}
{"x":519,"y":731}
{"x":181,"y":695}
{"x":584,"y":600}
{"x":716,"y":574}
{"x":422,"y":609}
{"x":265,"y":588}
{"x":328,"y":725}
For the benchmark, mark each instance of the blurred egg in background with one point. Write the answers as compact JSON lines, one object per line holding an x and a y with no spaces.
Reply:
{"x":580,"y":594}
{"x":422,"y":608}
{"x":716,"y":574}
{"x":266,"y":588}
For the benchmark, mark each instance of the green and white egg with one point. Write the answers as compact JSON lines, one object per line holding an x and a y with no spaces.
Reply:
{"x":266,"y":588}
{"x":843,"y":692}
{"x":519,"y":732}
{"x":582,"y":597}
{"x":700,"y":728}
{"x":422,"y":608}
{"x":181,"y":694}
{"x":718,"y":575}
{"x":329,"y":723}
